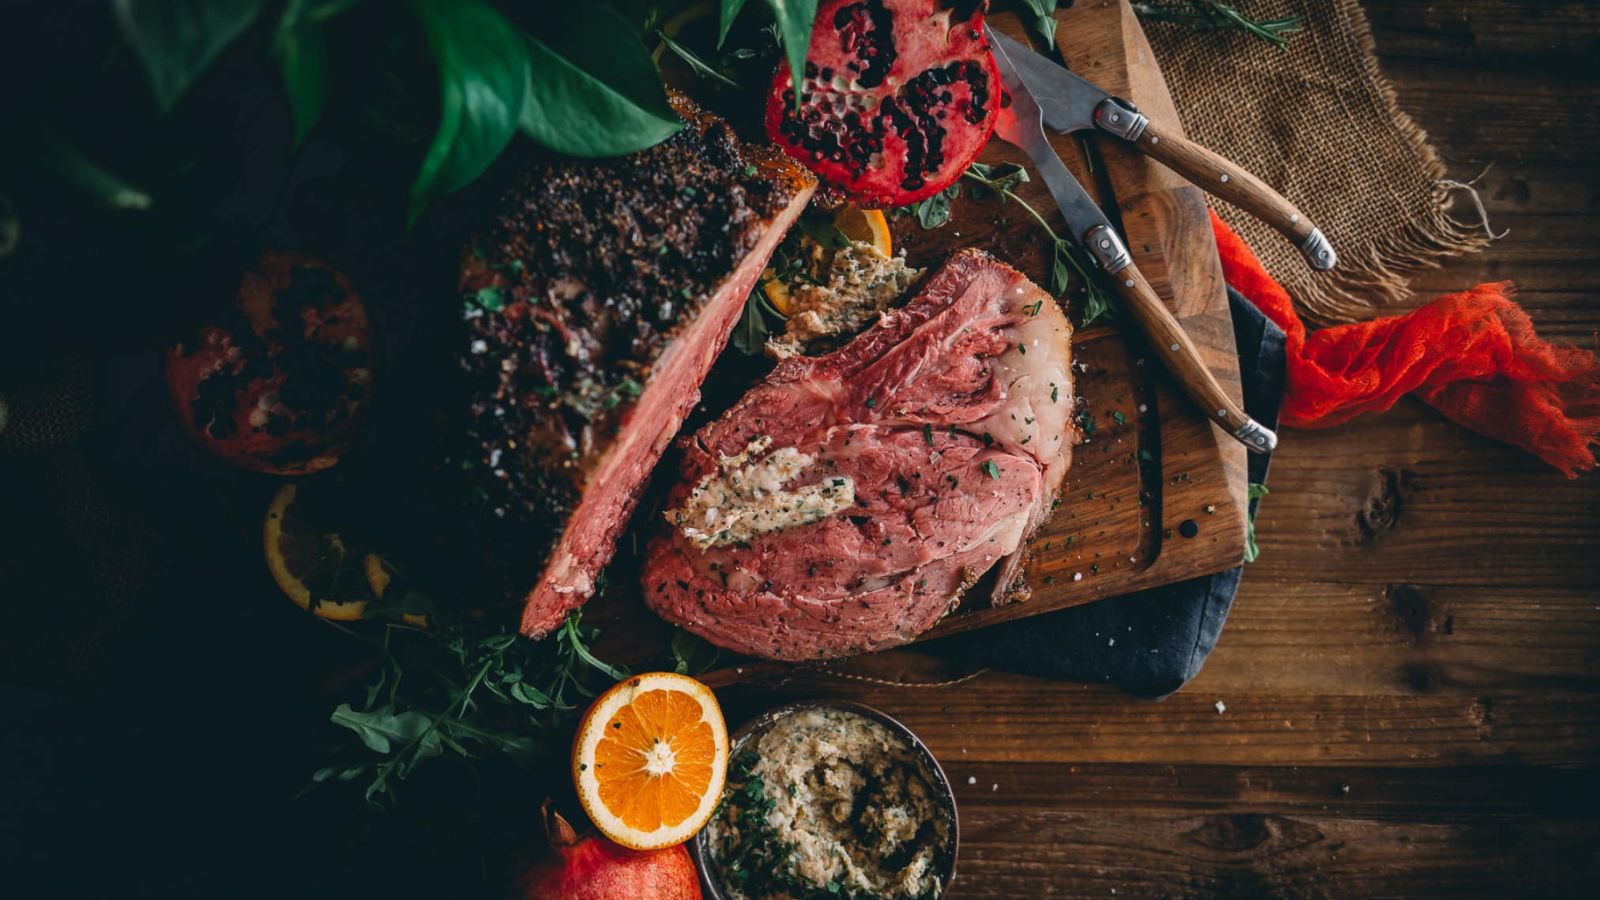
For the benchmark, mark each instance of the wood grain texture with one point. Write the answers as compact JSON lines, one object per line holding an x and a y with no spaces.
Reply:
{"x":1410,"y":670}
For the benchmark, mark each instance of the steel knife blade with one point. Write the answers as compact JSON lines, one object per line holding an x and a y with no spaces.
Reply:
{"x":1022,"y":125}
{"x":1067,"y":100}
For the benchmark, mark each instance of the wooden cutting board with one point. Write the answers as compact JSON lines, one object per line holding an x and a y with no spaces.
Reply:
{"x":1156,"y":493}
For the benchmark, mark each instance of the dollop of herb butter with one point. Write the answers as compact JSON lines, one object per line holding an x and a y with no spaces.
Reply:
{"x":743,"y":499}
{"x":860,"y":283}
{"x":827,"y":803}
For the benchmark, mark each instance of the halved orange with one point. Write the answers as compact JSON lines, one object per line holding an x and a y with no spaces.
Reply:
{"x":867,"y":225}
{"x":650,"y":759}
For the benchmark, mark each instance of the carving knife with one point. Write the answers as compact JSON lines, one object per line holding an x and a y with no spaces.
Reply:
{"x":1022,"y":124}
{"x":1070,"y":103}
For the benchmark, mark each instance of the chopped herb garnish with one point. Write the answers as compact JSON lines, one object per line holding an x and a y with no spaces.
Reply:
{"x":1118,"y":417}
{"x":927,"y":433}
{"x":990,"y":469}
{"x":489,"y":298}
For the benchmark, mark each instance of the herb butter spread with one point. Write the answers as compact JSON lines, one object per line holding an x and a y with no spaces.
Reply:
{"x":861,"y":282}
{"x":829,"y":803}
{"x":743,"y":499}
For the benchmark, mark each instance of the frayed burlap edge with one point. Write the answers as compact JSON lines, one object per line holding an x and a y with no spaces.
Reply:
{"x":1220,"y":77}
{"x":1373,"y":277}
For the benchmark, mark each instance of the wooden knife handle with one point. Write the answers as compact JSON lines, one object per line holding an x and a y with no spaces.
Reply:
{"x":1221,"y":177}
{"x":1179,"y":354}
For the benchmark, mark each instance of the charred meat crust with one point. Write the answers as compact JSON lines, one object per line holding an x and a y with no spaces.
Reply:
{"x":589,"y":270}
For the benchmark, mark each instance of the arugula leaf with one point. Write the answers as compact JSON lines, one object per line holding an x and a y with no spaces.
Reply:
{"x":794,"y":19}
{"x":598,"y":92}
{"x":302,"y":50}
{"x":382,"y":728}
{"x":730,"y":11}
{"x":483,"y":79}
{"x":177,"y":40}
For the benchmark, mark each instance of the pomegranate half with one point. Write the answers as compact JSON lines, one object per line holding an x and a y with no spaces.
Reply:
{"x":897,"y":99}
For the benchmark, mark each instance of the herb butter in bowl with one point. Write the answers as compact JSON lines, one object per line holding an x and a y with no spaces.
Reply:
{"x":828,"y":800}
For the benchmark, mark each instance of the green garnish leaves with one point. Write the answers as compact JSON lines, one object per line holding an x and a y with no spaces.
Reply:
{"x":489,"y":298}
{"x":453,"y":690}
{"x":990,"y":469}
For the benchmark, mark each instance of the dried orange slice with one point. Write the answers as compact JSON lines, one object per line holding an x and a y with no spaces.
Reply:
{"x":312,"y":564}
{"x":650,"y":758}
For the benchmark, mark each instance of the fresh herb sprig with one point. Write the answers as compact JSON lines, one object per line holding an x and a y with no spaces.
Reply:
{"x":1065,"y":255}
{"x":454,"y":689}
{"x":1213,"y":15}
{"x":1251,"y":551}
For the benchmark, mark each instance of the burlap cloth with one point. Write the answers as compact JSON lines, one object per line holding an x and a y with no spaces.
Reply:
{"x":1319,"y":122}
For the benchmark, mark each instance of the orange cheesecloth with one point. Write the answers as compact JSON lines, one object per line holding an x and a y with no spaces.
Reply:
{"x":1473,"y":356}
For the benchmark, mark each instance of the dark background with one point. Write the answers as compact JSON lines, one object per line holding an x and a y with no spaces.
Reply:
{"x":1408,"y":680}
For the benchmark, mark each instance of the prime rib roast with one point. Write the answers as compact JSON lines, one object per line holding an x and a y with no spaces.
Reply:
{"x":595,"y":304}
{"x":845,"y":503}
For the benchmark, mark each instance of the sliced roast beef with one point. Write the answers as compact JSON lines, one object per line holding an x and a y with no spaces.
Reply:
{"x":595,"y":305}
{"x":844,"y":504}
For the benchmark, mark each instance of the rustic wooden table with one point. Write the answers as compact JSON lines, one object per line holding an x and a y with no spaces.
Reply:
{"x":1409,"y":683}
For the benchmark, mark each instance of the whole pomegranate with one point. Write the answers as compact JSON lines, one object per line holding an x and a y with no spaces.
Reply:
{"x":593,"y":868}
{"x":897,"y":99}
{"x":278,"y":383}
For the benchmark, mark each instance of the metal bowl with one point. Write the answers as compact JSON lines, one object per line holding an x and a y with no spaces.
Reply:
{"x":700,"y":849}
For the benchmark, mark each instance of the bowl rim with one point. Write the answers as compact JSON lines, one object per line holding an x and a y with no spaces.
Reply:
{"x":711,"y":883}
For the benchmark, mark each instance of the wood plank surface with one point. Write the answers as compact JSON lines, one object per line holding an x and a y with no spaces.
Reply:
{"x":1411,"y":672}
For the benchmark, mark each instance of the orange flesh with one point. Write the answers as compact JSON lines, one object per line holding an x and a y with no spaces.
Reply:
{"x":647,"y":800}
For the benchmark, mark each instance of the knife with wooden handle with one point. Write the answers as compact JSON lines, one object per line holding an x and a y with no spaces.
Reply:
{"x":1022,"y":124}
{"x":1069,"y":103}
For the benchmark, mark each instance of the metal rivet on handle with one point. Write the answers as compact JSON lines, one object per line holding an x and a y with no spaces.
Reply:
{"x":1105,"y":244}
{"x":1174,"y":346}
{"x":1222,"y":414}
{"x":1116,"y":117}
{"x":1224,"y":178}
{"x":1129,"y":282}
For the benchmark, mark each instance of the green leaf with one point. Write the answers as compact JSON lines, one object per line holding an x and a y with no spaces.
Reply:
{"x":177,"y":40}
{"x":382,"y":728}
{"x":730,"y":11}
{"x":1044,"y":20}
{"x":1251,"y":551}
{"x":523,"y":692}
{"x":794,"y":19}
{"x":597,"y":93}
{"x":698,"y":65}
{"x":934,"y":211}
{"x":483,"y":65}
{"x":691,"y":655}
{"x":576,"y":641}
{"x":755,"y":324}
{"x":302,"y":49}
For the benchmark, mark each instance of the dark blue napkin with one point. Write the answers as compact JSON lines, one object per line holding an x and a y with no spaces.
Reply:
{"x":1151,"y":642}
